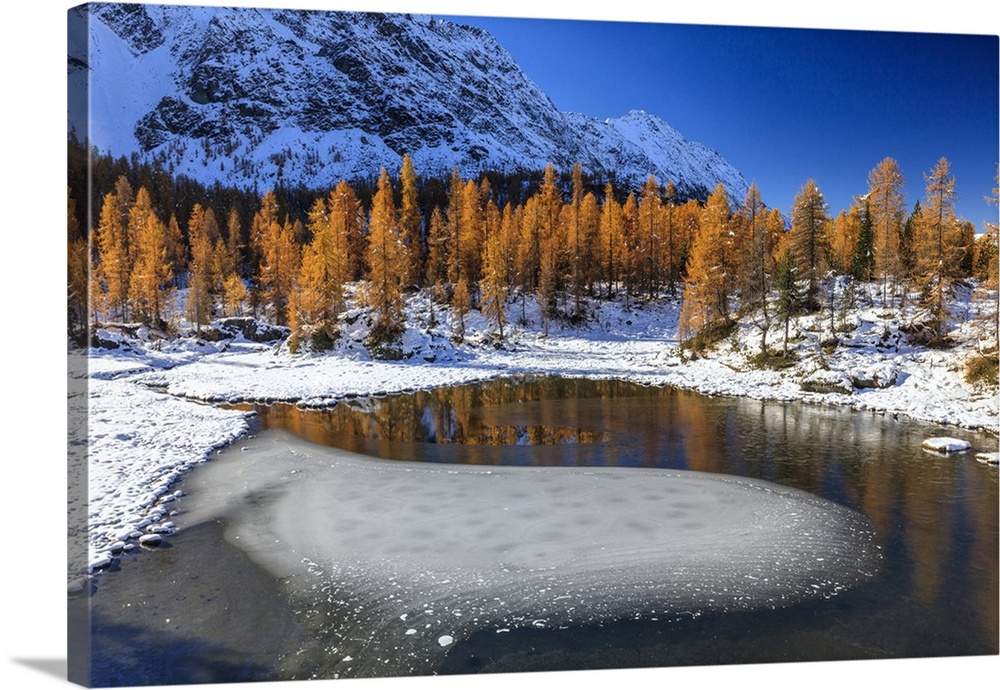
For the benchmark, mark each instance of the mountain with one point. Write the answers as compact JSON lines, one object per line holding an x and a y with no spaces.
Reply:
{"x":254,"y":97}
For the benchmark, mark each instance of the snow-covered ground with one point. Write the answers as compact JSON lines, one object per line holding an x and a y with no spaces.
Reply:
{"x":151,"y":416}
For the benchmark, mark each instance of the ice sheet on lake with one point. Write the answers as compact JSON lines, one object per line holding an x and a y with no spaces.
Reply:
{"x":401,"y":555}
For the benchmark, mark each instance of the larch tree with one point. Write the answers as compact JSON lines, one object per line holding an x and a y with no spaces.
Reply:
{"x":494,"y":283}
{"x":549,"y":245}
{"x":387,"y":268}
{"x":151,"y":271}
{"x":611,"y":239}
{"x":577,"y":239}
{"x":590,"y":218}
{"x":324,"y":272}
{"x":455,"y":215}
{"x":807,"y":239}
{"x":347,"y":222}
{"x":987,"y":256}
{"x":844,"y":237}
{"x":199,"y":296}
{"x":527,"y":252}
{"x":710,"y":276}
{"x":886,"y":207}
{"x":126,"y":198}
{"x":234,"y":289}
{"x":234,"y":241}
{"x":936,"y":246}
{"x":473,"y":234}
{"x":177,"y":249}
{"x":649,"y":243}
{"x":754,"y":260}
{"x":509,"y":232}
{"x":671,"y":255}
{"x":410,"y":224}
{"x":279,"y":268}
{"x":437,"y":249}
{"x":631,"y":243}
{"x":113,"y":263}
{"x":263,"y":224}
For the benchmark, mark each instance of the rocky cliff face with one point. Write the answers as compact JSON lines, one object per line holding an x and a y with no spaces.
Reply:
{"x":258,"y":97}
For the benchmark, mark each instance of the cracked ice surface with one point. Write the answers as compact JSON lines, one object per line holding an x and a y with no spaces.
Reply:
{"x":389,"y":558}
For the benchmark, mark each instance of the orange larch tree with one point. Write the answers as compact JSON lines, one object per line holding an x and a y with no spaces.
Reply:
{"x":387,"y":268}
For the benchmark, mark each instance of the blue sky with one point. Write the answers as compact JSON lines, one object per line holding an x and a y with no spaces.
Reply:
{"x":785,"y":105}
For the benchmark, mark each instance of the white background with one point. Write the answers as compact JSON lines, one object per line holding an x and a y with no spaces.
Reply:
{"x":32,"y":268}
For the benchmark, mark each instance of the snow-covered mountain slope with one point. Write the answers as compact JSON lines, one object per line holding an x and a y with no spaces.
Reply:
{"x":255,"y":97}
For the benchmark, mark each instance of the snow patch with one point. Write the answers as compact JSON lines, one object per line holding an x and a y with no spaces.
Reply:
{"x":946,"y":444}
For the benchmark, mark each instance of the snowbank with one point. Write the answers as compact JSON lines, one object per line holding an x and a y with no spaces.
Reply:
{"x":142,"y":434}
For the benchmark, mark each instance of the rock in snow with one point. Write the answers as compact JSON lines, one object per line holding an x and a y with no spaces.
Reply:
{"x":946,"y":444}
{"x":150,"y":540}
{"x":988,"y":458}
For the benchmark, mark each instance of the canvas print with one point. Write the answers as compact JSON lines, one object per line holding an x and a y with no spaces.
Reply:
{"x":408,"y":345}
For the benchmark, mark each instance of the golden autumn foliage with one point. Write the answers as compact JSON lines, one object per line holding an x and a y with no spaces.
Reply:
{"x":564,"y":240}
{"x":711,"y":276}
{"x":387,"y":262}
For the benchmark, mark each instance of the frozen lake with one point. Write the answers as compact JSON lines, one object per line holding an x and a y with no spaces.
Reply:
{"x":560,"y":524}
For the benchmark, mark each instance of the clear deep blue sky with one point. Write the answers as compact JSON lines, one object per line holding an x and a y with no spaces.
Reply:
{"x":785,"y":105}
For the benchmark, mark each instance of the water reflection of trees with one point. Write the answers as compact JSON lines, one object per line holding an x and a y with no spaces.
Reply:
{"x":457,"y":415}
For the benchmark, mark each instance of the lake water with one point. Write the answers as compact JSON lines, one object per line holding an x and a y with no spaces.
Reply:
{"x":933,"y":521}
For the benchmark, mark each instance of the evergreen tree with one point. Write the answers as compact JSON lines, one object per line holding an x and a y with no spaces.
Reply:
{"x":908,"y":243}
{"x":786,"y":281}
{"x":77,"y":274}
{"x":460,"y":307}
{"x":863,"y":258}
